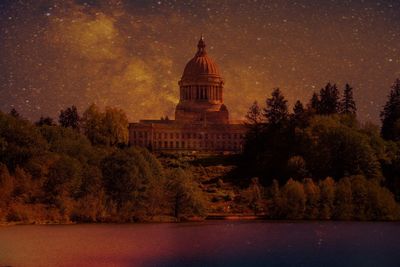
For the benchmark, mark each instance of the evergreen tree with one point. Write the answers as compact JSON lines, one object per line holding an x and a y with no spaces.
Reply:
{"x":390,"y":115}
{"x":69,"y":118}
{"x":254,"y":114}
{"x":299,"y":116}
{"x":314,"y":103}
{"x":14,"y":113}
{"x":45,"y":121}
{"x":276,"y":111}
{"x":298,"y":108}
{"x":348,"y":105}
{"x":254,"y":119}
{"x":329,"y":100}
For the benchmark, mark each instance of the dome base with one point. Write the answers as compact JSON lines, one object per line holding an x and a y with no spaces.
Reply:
{"x":201,"y":112}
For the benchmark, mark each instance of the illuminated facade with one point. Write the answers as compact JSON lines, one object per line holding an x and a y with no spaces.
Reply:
{"x":201,"y":118}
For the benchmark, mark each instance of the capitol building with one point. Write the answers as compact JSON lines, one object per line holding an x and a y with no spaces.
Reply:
{"x":201,"y":118}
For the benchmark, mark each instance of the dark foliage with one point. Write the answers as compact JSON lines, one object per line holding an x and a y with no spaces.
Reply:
{"x":69,"y":118}
{"x":347,"y":104}
{"x":391,"y":114}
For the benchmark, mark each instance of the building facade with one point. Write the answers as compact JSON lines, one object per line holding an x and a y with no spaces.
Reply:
{"x":201,"y":118}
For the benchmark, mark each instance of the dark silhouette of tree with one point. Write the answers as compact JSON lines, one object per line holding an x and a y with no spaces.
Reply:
{"x":390,"y":115}
{"x":15,"y":113}
{"x":348,"y":105}
{"x":314,"y":103}
{"x":298,"y":108}
{"x":254,"y":114}
{"x":329,"y":100}
{"x":299,"y":116}
{"x":69,"y":118}
{"x":254,"y":119}
{"x":276,"y":111}
{"x":45,"y":121}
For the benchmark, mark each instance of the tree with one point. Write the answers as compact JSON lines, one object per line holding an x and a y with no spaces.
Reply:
{"x":312,"y":193}
{"x":15,"y":113}
{"x":276,"y":111}
{"x":21,"y":142}
{"x":92,"y":124}
{"x":6,"y":186}
{"x":45,"y":121}
{"x":314,"y":104}
{"x":327,"y":198}
{"x":390,"y":115}
{"x":296,"y":167}
{"x":359,"y":190}
{"x":115,"y":126}
{"x":275,"y":208}
{"x":332,"y":148}
{"x":130,"y":177}
{"x":348,"y":105}
{"x":254,"y":195}
{"x":254,"y":115}
{"x":105,"y":128}
{"x":343,"y":200}
{"x":69,"y":118}
{"x":329,"y":100}
{"x":299,"y":117}
{"x":294,"y":199}
{"x":64,"y":179}
{"x":187,"y":199}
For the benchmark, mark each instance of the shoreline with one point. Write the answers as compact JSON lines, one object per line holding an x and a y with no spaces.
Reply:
{"x":236,"y":217}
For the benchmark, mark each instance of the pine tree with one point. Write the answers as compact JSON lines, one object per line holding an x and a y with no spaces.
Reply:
{"x":299,"y":117}
{"x":329,"y":100}
{"x":348,"y":105}
{"x":390,"y":115}
{"x":254,"y":115}
{"x":276,"y":111}
{"x":314,"y":103}
{"x":45,"y":121}
{"x":298,"y":108}
{"x":14,"y":113}
{"x":69,"y":118}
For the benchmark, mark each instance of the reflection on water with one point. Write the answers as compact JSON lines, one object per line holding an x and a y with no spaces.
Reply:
{"x":218,"y":243}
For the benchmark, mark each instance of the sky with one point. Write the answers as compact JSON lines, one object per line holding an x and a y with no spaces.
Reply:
{"x":131,"y":54}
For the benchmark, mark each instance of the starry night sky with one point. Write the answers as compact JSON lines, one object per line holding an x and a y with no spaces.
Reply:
{"x":131,"y":54}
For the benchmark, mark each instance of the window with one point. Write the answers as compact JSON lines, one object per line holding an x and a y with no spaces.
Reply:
{"x":159,"y":144}
{"x":177,"y":144}
{"x":165,"y":144}
{"x":177,"y":135}
{"x":183,"y":144}
{"x":171,"y":144}
{"x":171,"y":135}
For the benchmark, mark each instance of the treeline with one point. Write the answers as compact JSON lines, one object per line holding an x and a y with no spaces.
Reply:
{"x":82,"y":170}
{"x":324,"y":139}
{"x":349,"y":198}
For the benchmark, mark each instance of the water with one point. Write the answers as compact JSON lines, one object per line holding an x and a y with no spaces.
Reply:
{"x":216,"y":243}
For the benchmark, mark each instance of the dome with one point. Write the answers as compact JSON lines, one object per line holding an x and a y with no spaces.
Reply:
{"x":201,"y":67}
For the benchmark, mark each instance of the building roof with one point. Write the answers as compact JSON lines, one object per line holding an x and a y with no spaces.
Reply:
{"x":201,"y":66}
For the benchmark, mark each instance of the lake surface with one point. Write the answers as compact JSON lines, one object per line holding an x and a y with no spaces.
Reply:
{"x":214,"y":243}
